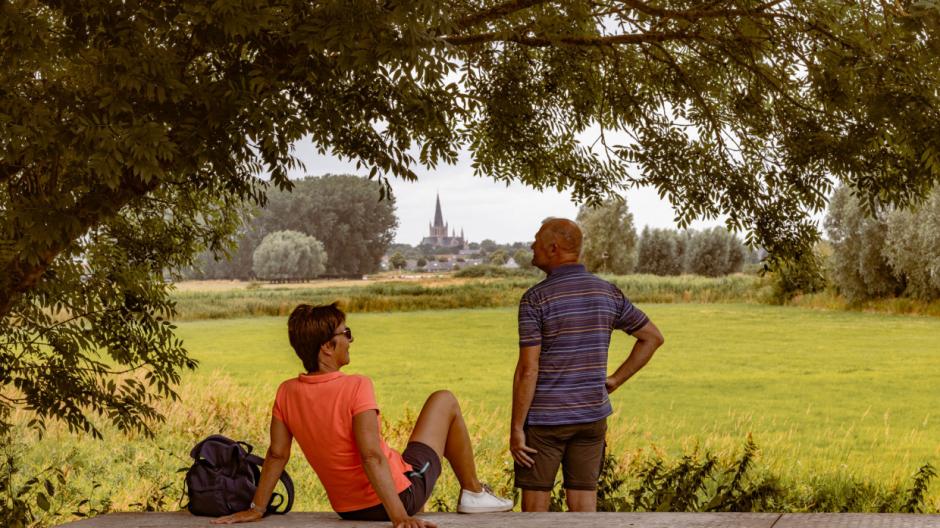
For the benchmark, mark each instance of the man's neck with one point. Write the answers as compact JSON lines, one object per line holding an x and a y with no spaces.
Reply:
{"x":555,"y":265}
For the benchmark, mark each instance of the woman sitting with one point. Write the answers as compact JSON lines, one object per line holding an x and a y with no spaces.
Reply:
{"x":335,"y":419}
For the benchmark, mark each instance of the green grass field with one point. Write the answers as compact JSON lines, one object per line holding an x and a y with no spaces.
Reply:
{"x":827,"y":396}
{"x":821,"y":390}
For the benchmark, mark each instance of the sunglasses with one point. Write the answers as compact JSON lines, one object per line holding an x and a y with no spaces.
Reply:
{"x":347,"y":332}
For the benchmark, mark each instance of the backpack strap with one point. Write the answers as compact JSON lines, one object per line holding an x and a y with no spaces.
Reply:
{"x":288,"y":486}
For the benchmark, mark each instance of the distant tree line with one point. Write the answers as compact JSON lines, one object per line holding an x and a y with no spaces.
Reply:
{"x":611,"y":245}
{"x":711,"y":252}
{"x":333,"y":225}
{"x":873,"y":251}
{"x":483,"y":249}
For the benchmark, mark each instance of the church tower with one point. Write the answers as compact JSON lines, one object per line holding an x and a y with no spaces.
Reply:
{"x":439,"y":234}
{"x":439,"y":228}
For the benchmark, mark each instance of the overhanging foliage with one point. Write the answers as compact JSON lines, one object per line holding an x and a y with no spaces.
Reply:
{"x":131,"y":134}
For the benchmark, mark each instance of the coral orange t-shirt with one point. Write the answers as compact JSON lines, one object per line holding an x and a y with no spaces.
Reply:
{"x":318,"y":410}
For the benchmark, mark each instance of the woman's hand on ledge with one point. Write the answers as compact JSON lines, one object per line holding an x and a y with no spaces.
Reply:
{"x":413,"y":522}
{"x":240,"y":517}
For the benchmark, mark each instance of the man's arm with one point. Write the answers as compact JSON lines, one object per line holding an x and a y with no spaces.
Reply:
{"x":274,"y":463}
{"x":648,"y":339}
{"x":523,"y":390}
{"x":366,"y":431}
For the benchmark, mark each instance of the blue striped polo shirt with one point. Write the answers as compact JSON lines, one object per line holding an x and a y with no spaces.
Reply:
{"x":572,"y":314}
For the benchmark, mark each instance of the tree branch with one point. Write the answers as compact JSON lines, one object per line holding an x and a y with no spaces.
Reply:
{"x":553,"y":40}
{"x":671,"y":62}
{"x":495,"y":12}
{"x":12,"y":401}
{"x":22,"y":272}
{"x":101,"y":371}
{"x":8,"y":170}
{"x":693,"y":15}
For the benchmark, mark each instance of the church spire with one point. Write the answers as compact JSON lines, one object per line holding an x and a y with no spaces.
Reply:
{"x":438,"y":217}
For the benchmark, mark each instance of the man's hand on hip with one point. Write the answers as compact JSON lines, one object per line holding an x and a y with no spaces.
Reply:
{"x":519,"y":450}
{"x":611,"y":384}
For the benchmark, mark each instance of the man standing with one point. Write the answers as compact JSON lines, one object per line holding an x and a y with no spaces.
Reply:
{"x":560,"y":403}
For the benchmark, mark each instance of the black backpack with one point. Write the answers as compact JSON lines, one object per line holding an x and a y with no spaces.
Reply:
{"x":224,"y":476}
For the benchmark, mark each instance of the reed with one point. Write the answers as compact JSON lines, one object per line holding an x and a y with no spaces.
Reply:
{"x":482,"y":293}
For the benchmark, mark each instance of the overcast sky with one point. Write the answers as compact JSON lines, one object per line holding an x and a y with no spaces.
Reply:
{"x":483,"y":207}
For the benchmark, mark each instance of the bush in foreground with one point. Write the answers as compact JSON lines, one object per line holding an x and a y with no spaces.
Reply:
{"x":704,"y":483}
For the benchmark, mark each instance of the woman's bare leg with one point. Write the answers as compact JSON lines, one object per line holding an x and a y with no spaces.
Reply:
{"x":441,"y":426}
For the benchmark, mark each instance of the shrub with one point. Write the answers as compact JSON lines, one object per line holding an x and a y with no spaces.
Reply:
{"x":703,"y":483}
{"x":397,"y":261}
{"x":489,"y":270}
{"x":285,"y":255}
{"x":40,"y":497}
{"x":523,"y":258}
{"x":800,"y":276}
{"x":498,"y":257}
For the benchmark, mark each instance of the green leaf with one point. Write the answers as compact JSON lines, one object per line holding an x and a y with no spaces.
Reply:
{"x":42,"y":501}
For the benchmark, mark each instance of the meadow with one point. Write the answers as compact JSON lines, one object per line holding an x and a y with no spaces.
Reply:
{"x":836,"y":401}
{"x":227,"y":299}
{"x":389,"y":292}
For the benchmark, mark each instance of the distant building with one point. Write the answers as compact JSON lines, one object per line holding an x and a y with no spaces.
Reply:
{"x":438,"y":237}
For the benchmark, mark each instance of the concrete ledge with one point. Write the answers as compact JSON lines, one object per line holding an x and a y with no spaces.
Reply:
{"x":540,"y":520}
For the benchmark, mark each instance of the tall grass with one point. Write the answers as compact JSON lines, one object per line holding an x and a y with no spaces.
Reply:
{"x":689,"y":288}
{"x":830,"y":300}
{"x":136,"y":473}
{"x":488,"y":293}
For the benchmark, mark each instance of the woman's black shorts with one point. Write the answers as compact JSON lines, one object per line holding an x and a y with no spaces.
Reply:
{"x":426,"y":467}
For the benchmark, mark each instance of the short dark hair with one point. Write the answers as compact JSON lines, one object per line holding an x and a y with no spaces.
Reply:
{"x":309,"y":327}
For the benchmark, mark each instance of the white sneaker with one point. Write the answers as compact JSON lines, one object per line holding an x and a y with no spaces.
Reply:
{"x":483,"y":502}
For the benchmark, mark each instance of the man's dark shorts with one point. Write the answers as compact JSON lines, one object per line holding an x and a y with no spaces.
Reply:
{"x":579,"y":448}
{"x":425,"y":468}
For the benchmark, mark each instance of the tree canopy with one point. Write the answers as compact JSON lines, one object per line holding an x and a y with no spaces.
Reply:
{"x":344,"y":212}
{"x":658,"y":252}
{"x":714,"y":252}
{"x":133,"y":133}
{"x":397,"y":261}
{"x":288,"y":255}
{"x":860,"y":269}
{"x":913,"y":247}
{"x":896,"y":252}
{"x":341,"y":211}
{"x":609,"y":237}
